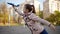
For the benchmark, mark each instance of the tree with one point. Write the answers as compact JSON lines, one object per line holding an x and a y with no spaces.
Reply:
{"x":4,"y":13}
{"x":54,"y":18}
{"x":41,"y":14}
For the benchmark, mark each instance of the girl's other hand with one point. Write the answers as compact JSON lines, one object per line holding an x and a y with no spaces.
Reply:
{"x":52,"y":27}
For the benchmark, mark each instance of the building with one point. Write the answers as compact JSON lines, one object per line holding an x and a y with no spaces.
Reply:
{"x":49,"y":6}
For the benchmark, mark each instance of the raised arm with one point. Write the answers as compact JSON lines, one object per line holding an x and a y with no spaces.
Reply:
{"x":18,"y":11}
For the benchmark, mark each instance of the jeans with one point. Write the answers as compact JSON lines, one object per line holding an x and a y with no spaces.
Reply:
{"x":44,"y":32}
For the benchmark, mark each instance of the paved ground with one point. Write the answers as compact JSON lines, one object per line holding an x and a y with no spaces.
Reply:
{"x":23,"y":30}
{"x":53,"y":32}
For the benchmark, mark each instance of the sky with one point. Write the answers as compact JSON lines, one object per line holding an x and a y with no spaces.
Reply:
{"x":20,"y":1}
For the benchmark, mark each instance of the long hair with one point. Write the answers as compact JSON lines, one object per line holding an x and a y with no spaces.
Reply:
{"x":30,"y":8}
{"x":33,"y":9}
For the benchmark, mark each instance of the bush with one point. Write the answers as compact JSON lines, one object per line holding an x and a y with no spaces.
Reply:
{"x":54,"y":18}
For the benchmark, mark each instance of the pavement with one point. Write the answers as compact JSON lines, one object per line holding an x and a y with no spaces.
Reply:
{"x":24,"y":30}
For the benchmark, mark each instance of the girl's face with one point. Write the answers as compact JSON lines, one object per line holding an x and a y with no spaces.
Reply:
{"x":25,"y":10}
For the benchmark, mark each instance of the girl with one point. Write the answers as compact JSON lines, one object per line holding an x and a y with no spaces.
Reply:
{"x":32,"y":20}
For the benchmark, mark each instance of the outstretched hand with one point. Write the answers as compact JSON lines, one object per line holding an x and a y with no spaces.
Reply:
{"x":52,"y":27}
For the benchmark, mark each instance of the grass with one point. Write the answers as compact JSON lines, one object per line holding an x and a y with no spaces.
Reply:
{"x":10,"y":24}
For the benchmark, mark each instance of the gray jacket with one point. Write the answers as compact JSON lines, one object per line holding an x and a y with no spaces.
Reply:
{"x":34,"y":22}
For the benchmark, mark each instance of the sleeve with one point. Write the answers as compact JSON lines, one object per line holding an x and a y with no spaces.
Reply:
{"x":18,"y":11}
{"x":36,"y":18}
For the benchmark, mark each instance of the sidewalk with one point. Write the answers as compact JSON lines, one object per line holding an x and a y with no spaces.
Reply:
{"x":23,"y":30}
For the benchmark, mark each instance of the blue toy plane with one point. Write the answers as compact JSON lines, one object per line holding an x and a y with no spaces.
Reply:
{"x":13,"y":4}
